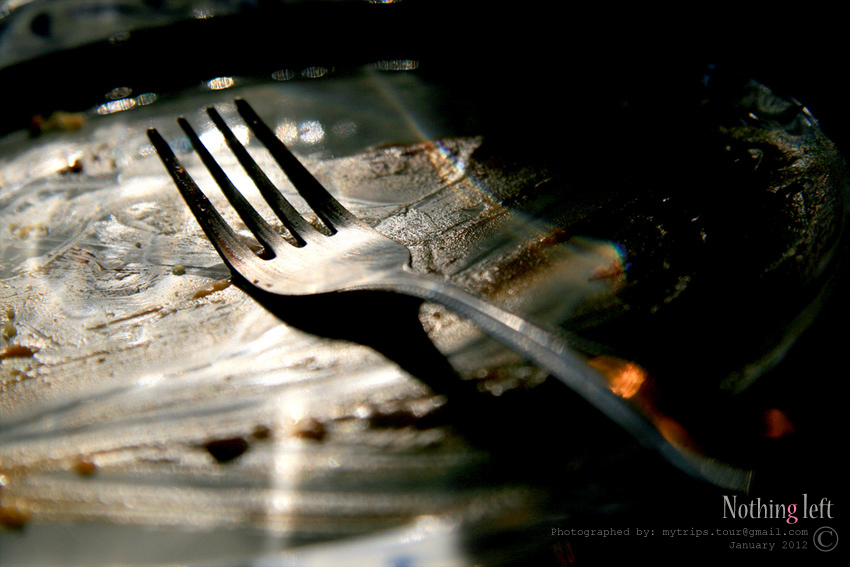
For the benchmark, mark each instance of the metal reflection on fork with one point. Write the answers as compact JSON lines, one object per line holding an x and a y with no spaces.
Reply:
{"x":350,"y":255}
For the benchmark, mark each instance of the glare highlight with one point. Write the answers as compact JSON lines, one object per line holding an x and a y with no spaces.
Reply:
{"x":114,"y":106}
{"x":220,"y":83}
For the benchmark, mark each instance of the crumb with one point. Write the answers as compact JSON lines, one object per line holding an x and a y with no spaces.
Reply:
{"x":76,"y":167}
{"x":226,"y":450}
{"x":419,"y":413}
{"x":261,"y":432}
{"x":85,"y":467}
{"x":394,"y":418}
{"x":17,"y":351}
{"x":8,"y":331}
{"x":14,"y":515}
{"x":310,"y":429}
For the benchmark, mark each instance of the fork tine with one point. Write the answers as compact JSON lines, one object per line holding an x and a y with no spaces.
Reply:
{"x":226,"y":242}
{"x":291,"y":218}
{"x":329,"y":210}
{"x":270,"y":239}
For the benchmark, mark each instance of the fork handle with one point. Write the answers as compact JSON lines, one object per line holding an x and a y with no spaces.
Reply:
{"x":551,"y":351}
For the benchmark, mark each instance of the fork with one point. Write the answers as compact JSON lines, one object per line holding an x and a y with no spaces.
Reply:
{"x":348,"y":255}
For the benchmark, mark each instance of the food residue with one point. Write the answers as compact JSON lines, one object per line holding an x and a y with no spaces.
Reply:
{"x":226,"y":450}
{"x":14,"y":512}
{"x":24,"y":231}
{"x":85,"y":467}
{"x":394,"y":418}
{"x":612,"y":271}
{"x":126,"y":318}
{"x":178,"y":270}
{"x":261,"y":432}
{"x":75,"y":167}
{"x":419,"y":413}
{"x":214,"y":287}
{"x":8,"y":331}
{"x":17,"y":351}
{"x":311,"y":429}
{"x":58,"y":121}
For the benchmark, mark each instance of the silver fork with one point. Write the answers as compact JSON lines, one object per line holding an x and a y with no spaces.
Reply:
{"x":350,"y":256}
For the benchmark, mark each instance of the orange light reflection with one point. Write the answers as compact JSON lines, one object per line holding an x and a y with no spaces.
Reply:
{"x":777,"y":424}
{"x":624,"y":378}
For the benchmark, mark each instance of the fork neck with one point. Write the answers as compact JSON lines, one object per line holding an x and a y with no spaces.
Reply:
{"x":551,"y":351}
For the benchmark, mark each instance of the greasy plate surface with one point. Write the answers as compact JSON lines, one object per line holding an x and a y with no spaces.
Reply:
{"x":133,"y":373}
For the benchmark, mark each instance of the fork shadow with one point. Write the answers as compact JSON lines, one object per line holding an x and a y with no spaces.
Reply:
{"x":541,"y":431}
{"x":575,"y":462}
